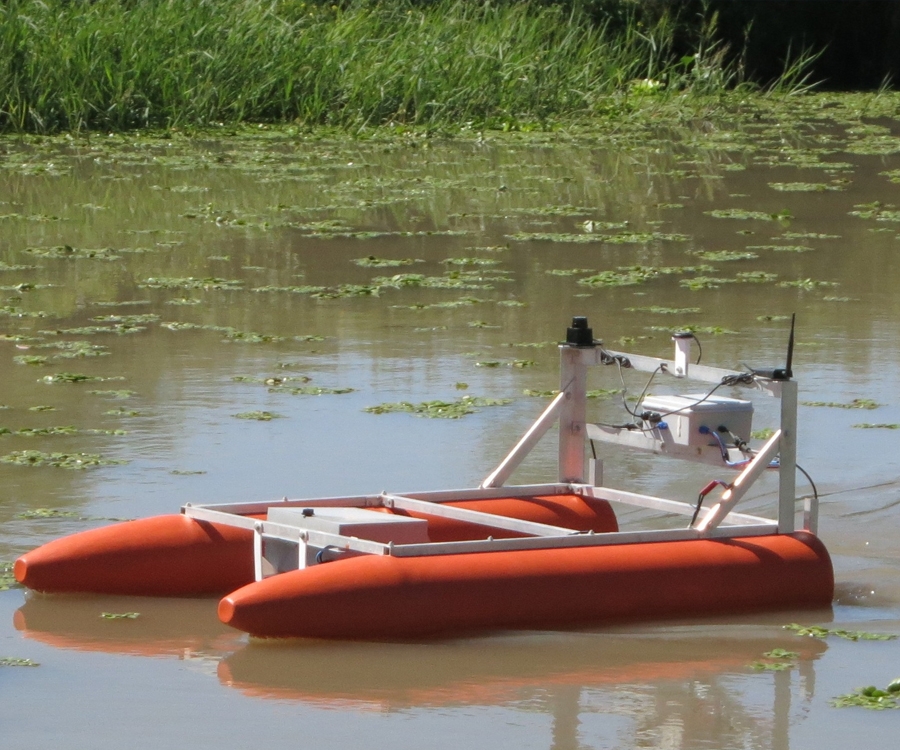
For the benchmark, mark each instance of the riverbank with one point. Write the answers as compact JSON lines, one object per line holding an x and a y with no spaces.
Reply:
{"x":113,"y":66}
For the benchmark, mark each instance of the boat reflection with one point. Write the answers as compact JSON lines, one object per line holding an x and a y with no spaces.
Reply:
{"x":669,"y":685}
{"x":163,"y":627}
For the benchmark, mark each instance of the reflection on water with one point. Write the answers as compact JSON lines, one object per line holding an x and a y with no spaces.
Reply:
{"x":201,"y":279}
{"x":678,"y":686}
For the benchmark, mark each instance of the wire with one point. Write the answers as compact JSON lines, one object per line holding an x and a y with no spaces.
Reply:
{"x":809,"y":479}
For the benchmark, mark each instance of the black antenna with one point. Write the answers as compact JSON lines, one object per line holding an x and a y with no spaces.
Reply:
{"x":785,"y":373}
{"x":790,"y":356}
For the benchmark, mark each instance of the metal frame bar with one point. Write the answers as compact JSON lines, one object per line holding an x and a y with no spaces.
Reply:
{"x":474,"y":516}
{"x":570,"y":407}
{"x":509,"y":464}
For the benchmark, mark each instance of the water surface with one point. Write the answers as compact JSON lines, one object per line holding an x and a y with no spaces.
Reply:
{"x":217,"y":264}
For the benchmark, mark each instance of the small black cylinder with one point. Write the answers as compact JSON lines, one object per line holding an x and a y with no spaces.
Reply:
{"x":579,"y":334}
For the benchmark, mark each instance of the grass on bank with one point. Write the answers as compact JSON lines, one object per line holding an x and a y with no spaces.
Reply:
{"x":69,"y":65}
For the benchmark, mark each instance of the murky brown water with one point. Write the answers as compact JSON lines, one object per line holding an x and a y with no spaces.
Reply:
{"x":278,"y":216}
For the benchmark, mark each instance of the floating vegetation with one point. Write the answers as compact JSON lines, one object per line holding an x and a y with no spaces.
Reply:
{"x":880,"y":426}
{"x":189,"y":283}
{"x":777,"y":660}
{"x":744,"y":215}
{"x":450,"y":281}
{"x":764,"y":434}
{"x":602,"y":226}
{"x":515,"y":363}
{"x":69,"y":377}
{"x":782,"y":248}
{"x":481,"y":324}
{"x":185,"y":473}
{"x":470,"y":262}
{"x":41,"y":431}
{"x":567,"y":271}
{"x":634,"y":238}
{"x":348,"y":290}
{"x":722,"y":256}
{"x":809,"y":236}
{"x":857,"y":403}
{"x":772,"y":318}
{"x":805,"y":187}
{"x":807,"y":285}
{"x":276,"y":380}
{"x":75,"y":349}
{"x":633,"y":275}
{"x":185,"y":301}
{"x":122,"y":393}
{"x":128,"y":320}
{"x":7,"y":578}
{"x":30,"y":359}
{"x":43,"y":513}
{"x":371,"y":261}
{"x":870,"y":697}
{"x":60,"y":460}
{"x":41,"y":407}
{"x":817,"y":631}
{"x":439,"y":409}
{"x":259,"y":416}
{"x":119,"y":328}
{"x":712,"y":330}
{"x":756,"y":277}
{"x":120,"y":615}
{"x":312,"y":390}
{"x":11,"y":661}
{"x":598,"y":393}
{"x":67,"y":251}
{"x":656,"y":310}
{"x":705,"y":282}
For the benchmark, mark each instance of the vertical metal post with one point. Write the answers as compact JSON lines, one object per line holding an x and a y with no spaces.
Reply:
{"x":573,"y":382}
{"x":787,"y":474}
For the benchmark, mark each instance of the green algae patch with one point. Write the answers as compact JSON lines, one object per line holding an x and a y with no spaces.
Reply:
{"x":259,"y":416}
{"x":119,"y":615}
{"x":7,"y":578}
{"x":805,"y":187}
{"x":657,"y":310}
{"x":190,"y":283}
{"x":11,"y":661}
{"x":439,"y":409}
{"x":877,"y":426}
{"x":817,"y":631}
{"x":44,"y":513}
{"x":870,"y":697}
{"x":724,"y":256}
{"x":742,"y":214}
{"x":371,"y":261}
{"x":76,"y":461}
{"x":857,"y":403}
{"x":312,"y":390}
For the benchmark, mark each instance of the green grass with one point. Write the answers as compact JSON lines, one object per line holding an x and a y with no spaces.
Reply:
{"x":70,"y":65}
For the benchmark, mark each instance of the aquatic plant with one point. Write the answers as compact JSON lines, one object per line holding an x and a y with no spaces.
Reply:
{"x":871,"y":697}
{"x":818,"y":631}
{"x":259,"y":416}
{"x":439,"y":409}
{"x":857,"y":403}
{"x":61,"y":460}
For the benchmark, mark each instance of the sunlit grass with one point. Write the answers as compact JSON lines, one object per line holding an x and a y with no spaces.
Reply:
{"x":116,"y":65}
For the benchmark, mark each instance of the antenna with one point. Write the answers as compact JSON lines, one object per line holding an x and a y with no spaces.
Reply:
{"x":781,"y":373}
